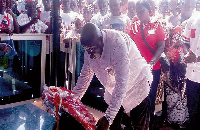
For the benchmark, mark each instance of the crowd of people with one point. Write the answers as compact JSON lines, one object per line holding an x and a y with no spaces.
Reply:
{"x":122,"y":41}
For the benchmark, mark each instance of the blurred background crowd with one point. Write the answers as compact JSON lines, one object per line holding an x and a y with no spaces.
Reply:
{"x":35,"y":16}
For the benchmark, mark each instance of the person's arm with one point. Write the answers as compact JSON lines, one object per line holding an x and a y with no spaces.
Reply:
{"x":5,"y":48}
{"x":160,"y":49}
{"x":190,"y":57}
{"x":50,"y":25}
{"x":186,"y":40}
{"x":185,"y":48}
{"x":6,"y":30}
{"x":15,"y":23}
{"x":198,"y":59}
{"x":120,"y":62}
{"x":84,"y":79}
{"x":25,"y":27}
{"x":160,"y":44}
{"x":43,"y":26}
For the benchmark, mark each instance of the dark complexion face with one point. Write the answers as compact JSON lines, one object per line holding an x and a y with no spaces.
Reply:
{"x":66,"y":6}
{"x":131,"y":9}
{"x":95,"y":8}
{"x":47,"y":4}
{"x":31,"y":9}
{"x":73,"y":5}
{"x":115,"y":8}
{"x":187,"y":8}
{"x":95,"y":51}
{"x":78,"y":25}
{"x":81,"y":5}
{"x":87,"y":14}
{"x":142,"y":13}
{"x":164,"y":7}
{"x":2,"y":6}
{"x":103,"y":6}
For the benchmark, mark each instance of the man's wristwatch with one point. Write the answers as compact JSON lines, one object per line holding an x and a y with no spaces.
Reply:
{"x":108,"y":119}
{"x":197,"y":58}
{"x":152,"y":62}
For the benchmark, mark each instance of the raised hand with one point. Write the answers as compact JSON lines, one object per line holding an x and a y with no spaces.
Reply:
{"x":102,"y":124}
{"x":5,"y":48}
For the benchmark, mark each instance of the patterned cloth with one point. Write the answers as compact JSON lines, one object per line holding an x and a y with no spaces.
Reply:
{"x":6,"y":21}
{"x":177,"y":111}
{"x":121,"y":70}
{"x":160,"y":91}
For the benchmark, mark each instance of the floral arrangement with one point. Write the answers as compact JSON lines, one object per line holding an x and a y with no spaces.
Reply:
{"x":57,"y":99}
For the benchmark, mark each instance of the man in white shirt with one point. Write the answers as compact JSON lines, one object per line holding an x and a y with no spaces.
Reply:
{"x":103,"y":8}
{"x":8,"y":22}
{"x":115,"y":19}
{"x":68,"y":19}
{"x":191,"y":36}
{"x":45,"y":14}
{"x":115,"y":60}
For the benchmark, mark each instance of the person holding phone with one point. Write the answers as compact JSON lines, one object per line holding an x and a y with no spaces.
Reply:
{"x":29,"y":21}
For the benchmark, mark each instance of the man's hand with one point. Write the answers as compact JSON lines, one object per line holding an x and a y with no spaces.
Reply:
{"x":5,"y":48}
{"x":10,"y":12}
{"x":34,"y":20}
{"x":6,"y":30}
{"x":67,"y":40}
{"x":102,"y":124}
{"x":190,"y":57}
{"x":151,"y":63}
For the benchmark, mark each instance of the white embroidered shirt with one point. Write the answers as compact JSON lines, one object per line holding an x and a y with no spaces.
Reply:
{"x":121,"y":70}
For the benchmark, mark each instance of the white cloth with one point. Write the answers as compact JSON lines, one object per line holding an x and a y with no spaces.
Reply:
{"x":69,"y":18}
{"x":96,"y":19}
{"x":121,"y":70}
{"x":21,"y":6}
{"x":66,"y":19}
{"x":45,"y":16}
{"x":108,"y":20}
{"x":40,"y":27}
{"x":72,"y":49}
{"x":193,"y":24}
{"x":74,"y":38}
{"x":76,"y":15}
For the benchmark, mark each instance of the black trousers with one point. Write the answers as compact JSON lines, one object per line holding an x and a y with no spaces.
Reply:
{"x":138,"y":119}
{"x":193,"y":103}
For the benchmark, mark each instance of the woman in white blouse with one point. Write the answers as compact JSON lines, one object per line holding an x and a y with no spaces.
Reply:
{"x":115,"y":60}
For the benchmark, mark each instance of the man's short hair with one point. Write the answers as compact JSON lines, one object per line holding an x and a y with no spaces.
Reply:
{"x":88,"y":34}
{"x":144,"y":3}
